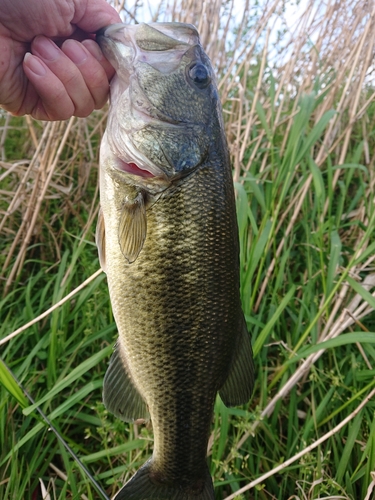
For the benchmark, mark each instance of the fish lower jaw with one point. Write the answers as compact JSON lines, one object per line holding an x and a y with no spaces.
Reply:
{"x":132,"y":168}
{"x":152,"y":179}
{"x":120,"y":156}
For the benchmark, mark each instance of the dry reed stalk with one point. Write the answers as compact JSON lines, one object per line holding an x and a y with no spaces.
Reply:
{"x":24,"y":179}
{"x":63,"y":151}
{"x":28,"y":212}
{"x":299,"y":199}
{"x":358,"y":62}
{"x":250,"y":119}
{"x":47,"y":167}
{"x":6,"y":339}
{"x":3,"y":136}
{"x":370,"y":489}
{"x":367,"y":37}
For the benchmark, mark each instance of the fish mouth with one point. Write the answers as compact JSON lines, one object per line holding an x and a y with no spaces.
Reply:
{"x":162,"y":46}
{"x":150,"y":36}
{"x":132,"y":168}
{"x":130,"y":160}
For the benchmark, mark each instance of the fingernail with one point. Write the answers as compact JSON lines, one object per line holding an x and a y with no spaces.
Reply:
{"x":45,"y":48}
{"x":94,"y":49}
{"x":34,"y":64}
{"x":74,"y":51}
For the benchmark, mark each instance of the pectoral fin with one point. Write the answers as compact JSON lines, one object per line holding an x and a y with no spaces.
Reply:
{"x":120,"y":395}
{"x":238,"y":387}
{"x":100,"y":239}
{"x":132,"y":228}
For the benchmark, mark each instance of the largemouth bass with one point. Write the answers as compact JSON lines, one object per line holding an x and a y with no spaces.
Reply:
{"x":168,"y":240}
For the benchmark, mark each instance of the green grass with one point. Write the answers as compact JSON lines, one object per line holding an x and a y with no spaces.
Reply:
{"x":304,"y":190}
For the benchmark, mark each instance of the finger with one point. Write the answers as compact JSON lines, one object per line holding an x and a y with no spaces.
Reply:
{"x":91,"y":66}
{"x":52,"y":98}
{"x":46,"y":98}
{"x":95,"y":50}
{"x":95,"y":15}
{"x":70,"y":76}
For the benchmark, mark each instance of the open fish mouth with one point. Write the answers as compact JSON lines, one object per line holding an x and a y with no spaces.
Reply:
{"x":130,"y":167}
{"x":144,"y":38}
{"x":129,"y":160}
{"x":128,"y":47}
{"x":153,"y":134}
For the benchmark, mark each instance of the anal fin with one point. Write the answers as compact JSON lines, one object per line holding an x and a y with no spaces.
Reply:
{"x":120,"y":395}
{"x":239,"y":384}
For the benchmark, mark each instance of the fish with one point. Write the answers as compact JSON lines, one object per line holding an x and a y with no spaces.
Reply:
{"x":167,"y":239}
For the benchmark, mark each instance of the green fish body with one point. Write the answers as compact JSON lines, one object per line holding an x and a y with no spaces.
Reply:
{"x":168,"y":241}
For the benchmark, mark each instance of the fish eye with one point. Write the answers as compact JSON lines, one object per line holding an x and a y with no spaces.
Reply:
{"x":199,"y":75}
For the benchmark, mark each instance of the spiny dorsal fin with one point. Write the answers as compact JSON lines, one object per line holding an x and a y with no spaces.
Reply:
{"x":120,"y":395}
{"x":132,"y":228}
{"x":100,"y":239}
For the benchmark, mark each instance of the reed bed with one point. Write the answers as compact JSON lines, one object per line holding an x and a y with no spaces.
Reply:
{"x":297,"y":87}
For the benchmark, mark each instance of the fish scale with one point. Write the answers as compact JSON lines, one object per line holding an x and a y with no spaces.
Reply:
{"x":175,"y":289}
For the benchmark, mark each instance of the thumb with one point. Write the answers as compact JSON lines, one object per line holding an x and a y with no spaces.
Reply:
{"x":92,"y":15}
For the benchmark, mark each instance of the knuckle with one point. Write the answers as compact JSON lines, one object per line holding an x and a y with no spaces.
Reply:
{"x":84,"y":109}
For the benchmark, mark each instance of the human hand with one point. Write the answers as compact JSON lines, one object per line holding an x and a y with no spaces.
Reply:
{"x":47,"y":80}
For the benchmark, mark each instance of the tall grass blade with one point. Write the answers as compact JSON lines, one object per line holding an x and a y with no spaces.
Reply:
{"x":57,"y":434}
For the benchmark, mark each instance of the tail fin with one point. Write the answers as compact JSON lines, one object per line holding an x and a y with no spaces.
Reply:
{"x":140,"y":487}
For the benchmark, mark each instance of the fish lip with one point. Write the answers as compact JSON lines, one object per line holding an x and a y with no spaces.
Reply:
{"x":108,"y":31}
{"x":110,"y":38}
{"x":119,"y":38}
{"x":101,"y":32}
{"x":139,"y":179}
{"x":130,"y":167}
{"x":179,"y":37}
{"x":184,"y":33}
{"x":138,"y":159}
{"x":154,"y":184}
{"x":126,"y":153}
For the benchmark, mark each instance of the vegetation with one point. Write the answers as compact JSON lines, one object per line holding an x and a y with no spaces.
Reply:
{"x":298,"y":94}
